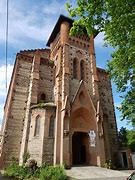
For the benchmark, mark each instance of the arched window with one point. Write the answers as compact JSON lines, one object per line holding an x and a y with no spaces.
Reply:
{"x":75,"y":68}
{"x":51,"y":126}
{"x":43,"y":97}
{"x":82,"y":70}
{"x":37,"y":126}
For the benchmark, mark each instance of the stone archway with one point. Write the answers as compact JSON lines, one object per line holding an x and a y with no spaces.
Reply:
{"x":80,"y":153}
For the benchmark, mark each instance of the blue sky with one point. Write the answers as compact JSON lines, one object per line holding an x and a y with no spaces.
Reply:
{"x":30,"y":24}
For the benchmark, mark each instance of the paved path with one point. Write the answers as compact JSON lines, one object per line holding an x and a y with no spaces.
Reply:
{"x":96,"y":173}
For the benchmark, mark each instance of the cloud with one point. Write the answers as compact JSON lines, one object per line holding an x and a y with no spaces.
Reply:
{"x":2,"y":20}
{"x":3,"y":76}
{"x":99,"y":39}
{"x":54,"y":8}
{"x":3,"y":91}
{"x":30,"y":24}
{"x":27,"y":22}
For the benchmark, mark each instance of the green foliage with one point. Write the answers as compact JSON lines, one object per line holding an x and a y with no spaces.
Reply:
{"x":16,"y":171}
{"x":31,"y":164}
{"x":131,"y":139}
{"x":117,"y":20}
{"x":122,"y":136}
{"x":41,"y":104}
{"x":45,"y":172}
{"x":21,"y":172}
{"x":127,"y":138}
{"x":53,"y":173}
{"x":108,"y":164}
{"x":26,"y":156}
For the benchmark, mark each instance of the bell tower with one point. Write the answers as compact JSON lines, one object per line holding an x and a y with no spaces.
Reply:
{"x":74,"y":63}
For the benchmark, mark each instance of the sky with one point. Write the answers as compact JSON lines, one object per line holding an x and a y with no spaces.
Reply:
{"x":30,"y":24}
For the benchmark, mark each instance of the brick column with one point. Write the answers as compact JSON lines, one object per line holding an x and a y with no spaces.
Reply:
{"x":58,"y":109}
{"x":61,"y":88}
{"x":93,"y":67}
{"x":65,"y":78}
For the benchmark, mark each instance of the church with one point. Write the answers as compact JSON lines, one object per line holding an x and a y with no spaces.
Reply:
{"x":59,"y":107}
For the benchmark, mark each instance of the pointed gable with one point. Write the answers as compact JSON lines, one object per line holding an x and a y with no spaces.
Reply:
{"x":82,"y":99}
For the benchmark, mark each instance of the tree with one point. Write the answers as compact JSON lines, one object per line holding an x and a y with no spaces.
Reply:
{"x":131,"y":139}
{"x":122,"y":137}
{"x":126,"y":138}
{"x":117,"y":20}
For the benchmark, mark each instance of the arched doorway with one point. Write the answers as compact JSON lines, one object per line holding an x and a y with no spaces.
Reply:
{"x":80,"y":153}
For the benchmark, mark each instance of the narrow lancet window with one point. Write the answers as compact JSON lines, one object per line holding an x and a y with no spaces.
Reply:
{"x":51,"y":126}
{"x":37,"y":126}
{"x":82,"y":70}
{"x":75,"y":68}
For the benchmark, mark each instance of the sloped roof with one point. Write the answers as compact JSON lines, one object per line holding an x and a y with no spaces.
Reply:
{"x":56,"y":29}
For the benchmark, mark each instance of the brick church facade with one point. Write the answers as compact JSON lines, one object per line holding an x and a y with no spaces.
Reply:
{"x":59,"y":106}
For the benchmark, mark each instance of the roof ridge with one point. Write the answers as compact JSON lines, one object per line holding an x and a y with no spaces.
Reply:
{"x":32,"y":50}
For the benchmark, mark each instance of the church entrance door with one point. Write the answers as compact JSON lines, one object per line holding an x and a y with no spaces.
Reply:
{"x":79,"y":144}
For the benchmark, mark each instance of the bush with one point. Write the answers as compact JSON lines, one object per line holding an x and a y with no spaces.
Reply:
{"x":26,"y":156}
{"x":53,"y":173}
{"x":108,"y":164}
{"x":31,"y":164}
{"x":15,"y":171}
{"x":21,"y":172}
{"x":43,"y":173}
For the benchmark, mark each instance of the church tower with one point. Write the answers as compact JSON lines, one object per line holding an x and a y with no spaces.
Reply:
{"x":59,"y":107}
{"x":78,"y":113}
